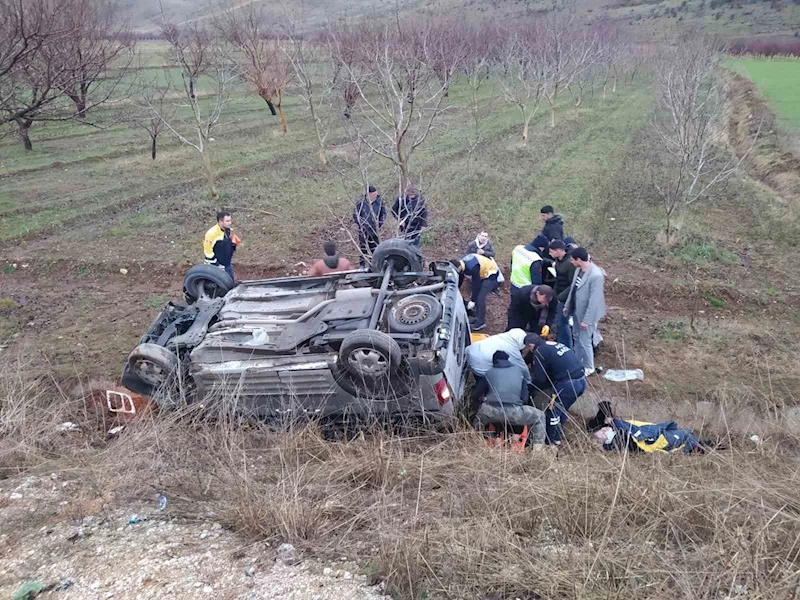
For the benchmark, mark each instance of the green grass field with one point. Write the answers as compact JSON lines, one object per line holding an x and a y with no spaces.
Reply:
{"x":779,"y":81}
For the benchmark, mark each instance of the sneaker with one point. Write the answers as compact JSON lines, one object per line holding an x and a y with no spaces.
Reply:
{"x":478,"y":327}
{"x":588,"y":372}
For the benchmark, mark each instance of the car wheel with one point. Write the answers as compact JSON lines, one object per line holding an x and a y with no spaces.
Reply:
{"x":206,"y":281}
{"x":406,"y":257}
{"x":370,"y":354}
{"x":153,"y":364}
{"x":415,"y":313}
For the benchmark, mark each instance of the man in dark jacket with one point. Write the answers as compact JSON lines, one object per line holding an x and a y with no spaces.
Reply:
{"x":553,"y":224}
{"x":368,"y":215}
{"x":556,"y":367}
{"x":532,"y":308}
{"x":504,"y":390}
{"x":412,"y":214}
{"x":565,"y":271}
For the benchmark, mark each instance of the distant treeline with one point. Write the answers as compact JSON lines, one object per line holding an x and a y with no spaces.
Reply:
{"x":772,"y":46}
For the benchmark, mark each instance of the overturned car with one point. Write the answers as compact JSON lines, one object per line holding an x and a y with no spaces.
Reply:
{"x":389,"y":341}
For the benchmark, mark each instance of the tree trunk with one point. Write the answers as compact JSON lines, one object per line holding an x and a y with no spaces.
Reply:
{"x":553,"y":108}
{"x":323,"y":159}
{"x":579,"y":101}
{"x":81,"y":106}
{"x":153,"y":148}
{"x":24,"y":125}
{"x":271,"y":106}
{"x":525,"y":132}
{"x":212,"y":186}
{"x":283,"y":119}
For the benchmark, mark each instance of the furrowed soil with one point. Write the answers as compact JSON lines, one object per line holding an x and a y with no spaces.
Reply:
{"x":95,"y":238}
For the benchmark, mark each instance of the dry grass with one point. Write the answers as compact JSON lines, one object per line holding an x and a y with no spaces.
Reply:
{"x":443,"y":516}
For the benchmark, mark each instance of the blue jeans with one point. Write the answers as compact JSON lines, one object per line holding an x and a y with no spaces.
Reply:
{"x":229,"y":270}
{"x":566,"y":392}
{"x":563,"y":330}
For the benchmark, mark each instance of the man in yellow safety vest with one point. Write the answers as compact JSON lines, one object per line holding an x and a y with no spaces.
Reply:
{"x":526,"y":267}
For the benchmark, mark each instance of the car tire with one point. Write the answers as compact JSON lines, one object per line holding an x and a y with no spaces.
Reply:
{"x":153,"y":364}
{"x":407,"y":257}
{"x":206,"y":280}
{"x":414,"y":313}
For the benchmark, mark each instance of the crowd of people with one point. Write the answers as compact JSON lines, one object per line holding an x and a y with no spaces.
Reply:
{"x":557,"y":299}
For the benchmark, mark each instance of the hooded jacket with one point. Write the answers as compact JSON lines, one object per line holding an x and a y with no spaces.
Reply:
{"x":554,"y":228}
{"x":653,"y":437}
{"x":504,"y":384}
{"x":480,"y":354}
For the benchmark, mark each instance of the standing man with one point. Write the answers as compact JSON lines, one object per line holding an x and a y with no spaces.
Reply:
{"x":532,"y":308}
{"x":485,"y":275}
{"x":526,"y":268}
{"x":587,"y":304}
{"x":411,"y":212}
{"x":552,"y":224}
{"x":368,"y":215}
{"x":556,"y":367}
{"x":220,"y":243}
{"x":565,"y":271}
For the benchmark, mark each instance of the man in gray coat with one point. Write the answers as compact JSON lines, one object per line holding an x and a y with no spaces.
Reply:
{"x":587,"y":304}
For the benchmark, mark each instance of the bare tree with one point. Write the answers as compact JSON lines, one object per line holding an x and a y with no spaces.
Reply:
{"x":196,"y":52}
{"x":400,"y":94}
{"x":96,"y":55}
{"x":566,"y":52}
{"x":158,"y":108}
{"x":689,"y":126}
{"x":311,"y":64}
{"x":478,"y":42}
{"x":520,"y":73}
{"x":265,"y":66}
{"x":30,"y":76}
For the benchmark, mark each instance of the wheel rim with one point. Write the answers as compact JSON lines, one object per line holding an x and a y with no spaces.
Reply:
{"x":149,"y":371}
{"x":413,"y":313}
{"x":368,"y":362}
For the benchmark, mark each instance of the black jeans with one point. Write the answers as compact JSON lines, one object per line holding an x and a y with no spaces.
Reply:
{"x":367,"y":242}
{"x":481,"y":288}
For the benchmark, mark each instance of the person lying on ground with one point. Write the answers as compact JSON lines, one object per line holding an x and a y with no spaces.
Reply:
{"x":331,"y":262}
{"x":485,"y":276}
{"x":480,"y":355}
{"x":481,"y":245}
{"x":533,"y":307}
{"x":505,"y":398}
{"x":558,"y":370}
{"x":640,"y":436}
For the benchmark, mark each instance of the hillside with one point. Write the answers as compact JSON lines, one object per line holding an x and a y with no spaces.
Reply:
{"x":645,"y":19}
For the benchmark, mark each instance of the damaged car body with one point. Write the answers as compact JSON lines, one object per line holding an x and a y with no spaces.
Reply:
{"x":385,"y":342}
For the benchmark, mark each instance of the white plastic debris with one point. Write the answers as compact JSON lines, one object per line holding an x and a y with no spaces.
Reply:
{"x":124,"y":271}
{"x":755,"y":439}
{"x":624,"y":375}
{"x":68,"y":426}
{"x":115,"y":430}
{"x":260,"y":338}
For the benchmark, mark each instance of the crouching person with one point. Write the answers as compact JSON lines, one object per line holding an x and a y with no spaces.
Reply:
{"x":504,"y":390}
{"x":555,"y":367}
